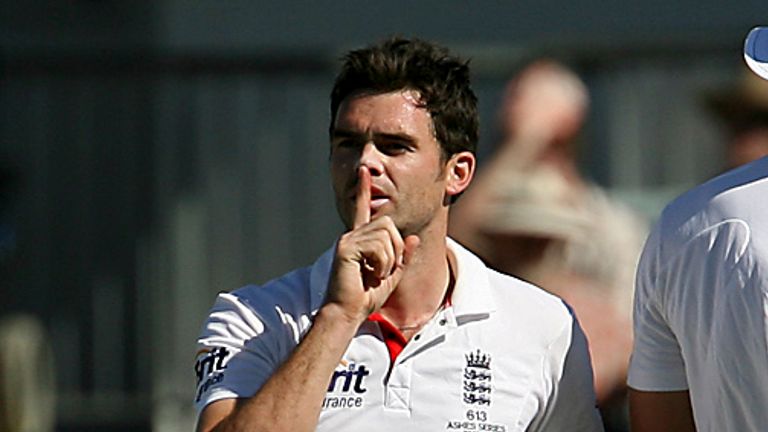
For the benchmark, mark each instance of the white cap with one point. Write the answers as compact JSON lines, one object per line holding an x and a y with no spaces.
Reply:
{"x":756,"y":51}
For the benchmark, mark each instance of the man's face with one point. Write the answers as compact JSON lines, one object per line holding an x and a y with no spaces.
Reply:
{"x":393,"y":137}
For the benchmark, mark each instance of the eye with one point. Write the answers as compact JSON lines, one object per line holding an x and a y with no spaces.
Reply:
{"x":393,"y":148}
{"x":345,"y":144}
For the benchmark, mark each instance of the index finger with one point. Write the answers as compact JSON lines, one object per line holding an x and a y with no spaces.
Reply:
{"x":363,"y":198}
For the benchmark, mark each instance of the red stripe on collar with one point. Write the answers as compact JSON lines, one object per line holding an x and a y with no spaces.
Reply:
{"x":393,"y":338}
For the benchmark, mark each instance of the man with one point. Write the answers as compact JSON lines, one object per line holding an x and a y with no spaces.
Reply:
{"x":701,"y":311}
{"x":397,"y":327}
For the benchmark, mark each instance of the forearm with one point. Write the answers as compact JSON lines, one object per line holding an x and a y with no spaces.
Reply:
{"x":369,"y":262}
{"x":292,"y":397}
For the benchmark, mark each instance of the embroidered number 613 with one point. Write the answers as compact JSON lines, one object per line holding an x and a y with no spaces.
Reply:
{"x":478,"y":415}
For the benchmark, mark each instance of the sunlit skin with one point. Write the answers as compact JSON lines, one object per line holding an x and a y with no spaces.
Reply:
{"x":388,"y":139}
{"x":393,"y":137}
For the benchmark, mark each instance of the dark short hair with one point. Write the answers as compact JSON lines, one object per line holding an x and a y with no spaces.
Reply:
{"x":440,"y":78}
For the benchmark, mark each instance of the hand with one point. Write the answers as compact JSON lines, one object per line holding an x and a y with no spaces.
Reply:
{"x":370,"y":259}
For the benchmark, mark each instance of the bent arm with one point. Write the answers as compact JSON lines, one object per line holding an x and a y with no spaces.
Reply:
{"x":660,"y":411}
{"x":291,"y":399}
{"x":369,"y":263}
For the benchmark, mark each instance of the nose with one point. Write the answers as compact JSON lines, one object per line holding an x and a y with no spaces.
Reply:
{"x":370,"y":157}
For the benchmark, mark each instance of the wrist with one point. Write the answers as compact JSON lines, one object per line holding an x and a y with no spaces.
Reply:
{"x":340,"y":318}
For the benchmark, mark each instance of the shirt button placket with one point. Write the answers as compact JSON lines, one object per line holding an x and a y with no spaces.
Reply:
{"x":398,"y":395}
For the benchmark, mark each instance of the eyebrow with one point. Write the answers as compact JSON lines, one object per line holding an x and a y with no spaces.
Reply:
{"x":342,"y":133}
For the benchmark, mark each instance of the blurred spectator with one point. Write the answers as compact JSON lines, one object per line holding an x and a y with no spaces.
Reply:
{"x":743,"y":109}
{"x":531,"y":213}
{"x":27,"y":388}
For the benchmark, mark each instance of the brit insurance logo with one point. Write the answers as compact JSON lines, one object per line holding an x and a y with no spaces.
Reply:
{"x":347,"y":387}
{"x":209,"y":366}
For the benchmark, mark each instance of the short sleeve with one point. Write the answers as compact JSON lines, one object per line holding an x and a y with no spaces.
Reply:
{"x":657,"y":362}
{"x":572,"y":406}
{"x":235,"y":352}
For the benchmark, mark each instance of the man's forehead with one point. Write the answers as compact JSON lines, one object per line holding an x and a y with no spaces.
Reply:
{"x":397,"y":104}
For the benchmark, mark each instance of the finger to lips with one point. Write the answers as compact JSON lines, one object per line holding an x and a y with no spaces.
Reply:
{"x":389,"y":243}
{"x":397,"y":247}
{"x":390,"y":251}
{"x":363,"y":198}
{"x":379,"y":254}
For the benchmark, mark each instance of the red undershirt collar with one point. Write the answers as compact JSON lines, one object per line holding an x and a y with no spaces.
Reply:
{"x":393,"y":337}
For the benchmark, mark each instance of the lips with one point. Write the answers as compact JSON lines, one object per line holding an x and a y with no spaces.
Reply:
{"x":378,"y":197}
{"x":377,"y":193}
{"x":377,"y":203}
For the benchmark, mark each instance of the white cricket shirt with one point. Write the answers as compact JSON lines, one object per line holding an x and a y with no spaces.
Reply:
{"x":701,"y":302}
{"x":503,"y":356}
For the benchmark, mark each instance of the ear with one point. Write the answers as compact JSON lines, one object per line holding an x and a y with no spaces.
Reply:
{"x":459,"y":172}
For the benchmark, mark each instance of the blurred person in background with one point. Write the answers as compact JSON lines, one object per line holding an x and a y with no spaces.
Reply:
{"x":701,"y":304}
{"x":533,"y":214}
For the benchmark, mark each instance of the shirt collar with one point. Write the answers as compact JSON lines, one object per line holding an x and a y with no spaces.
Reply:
{"x":472,"y":293}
